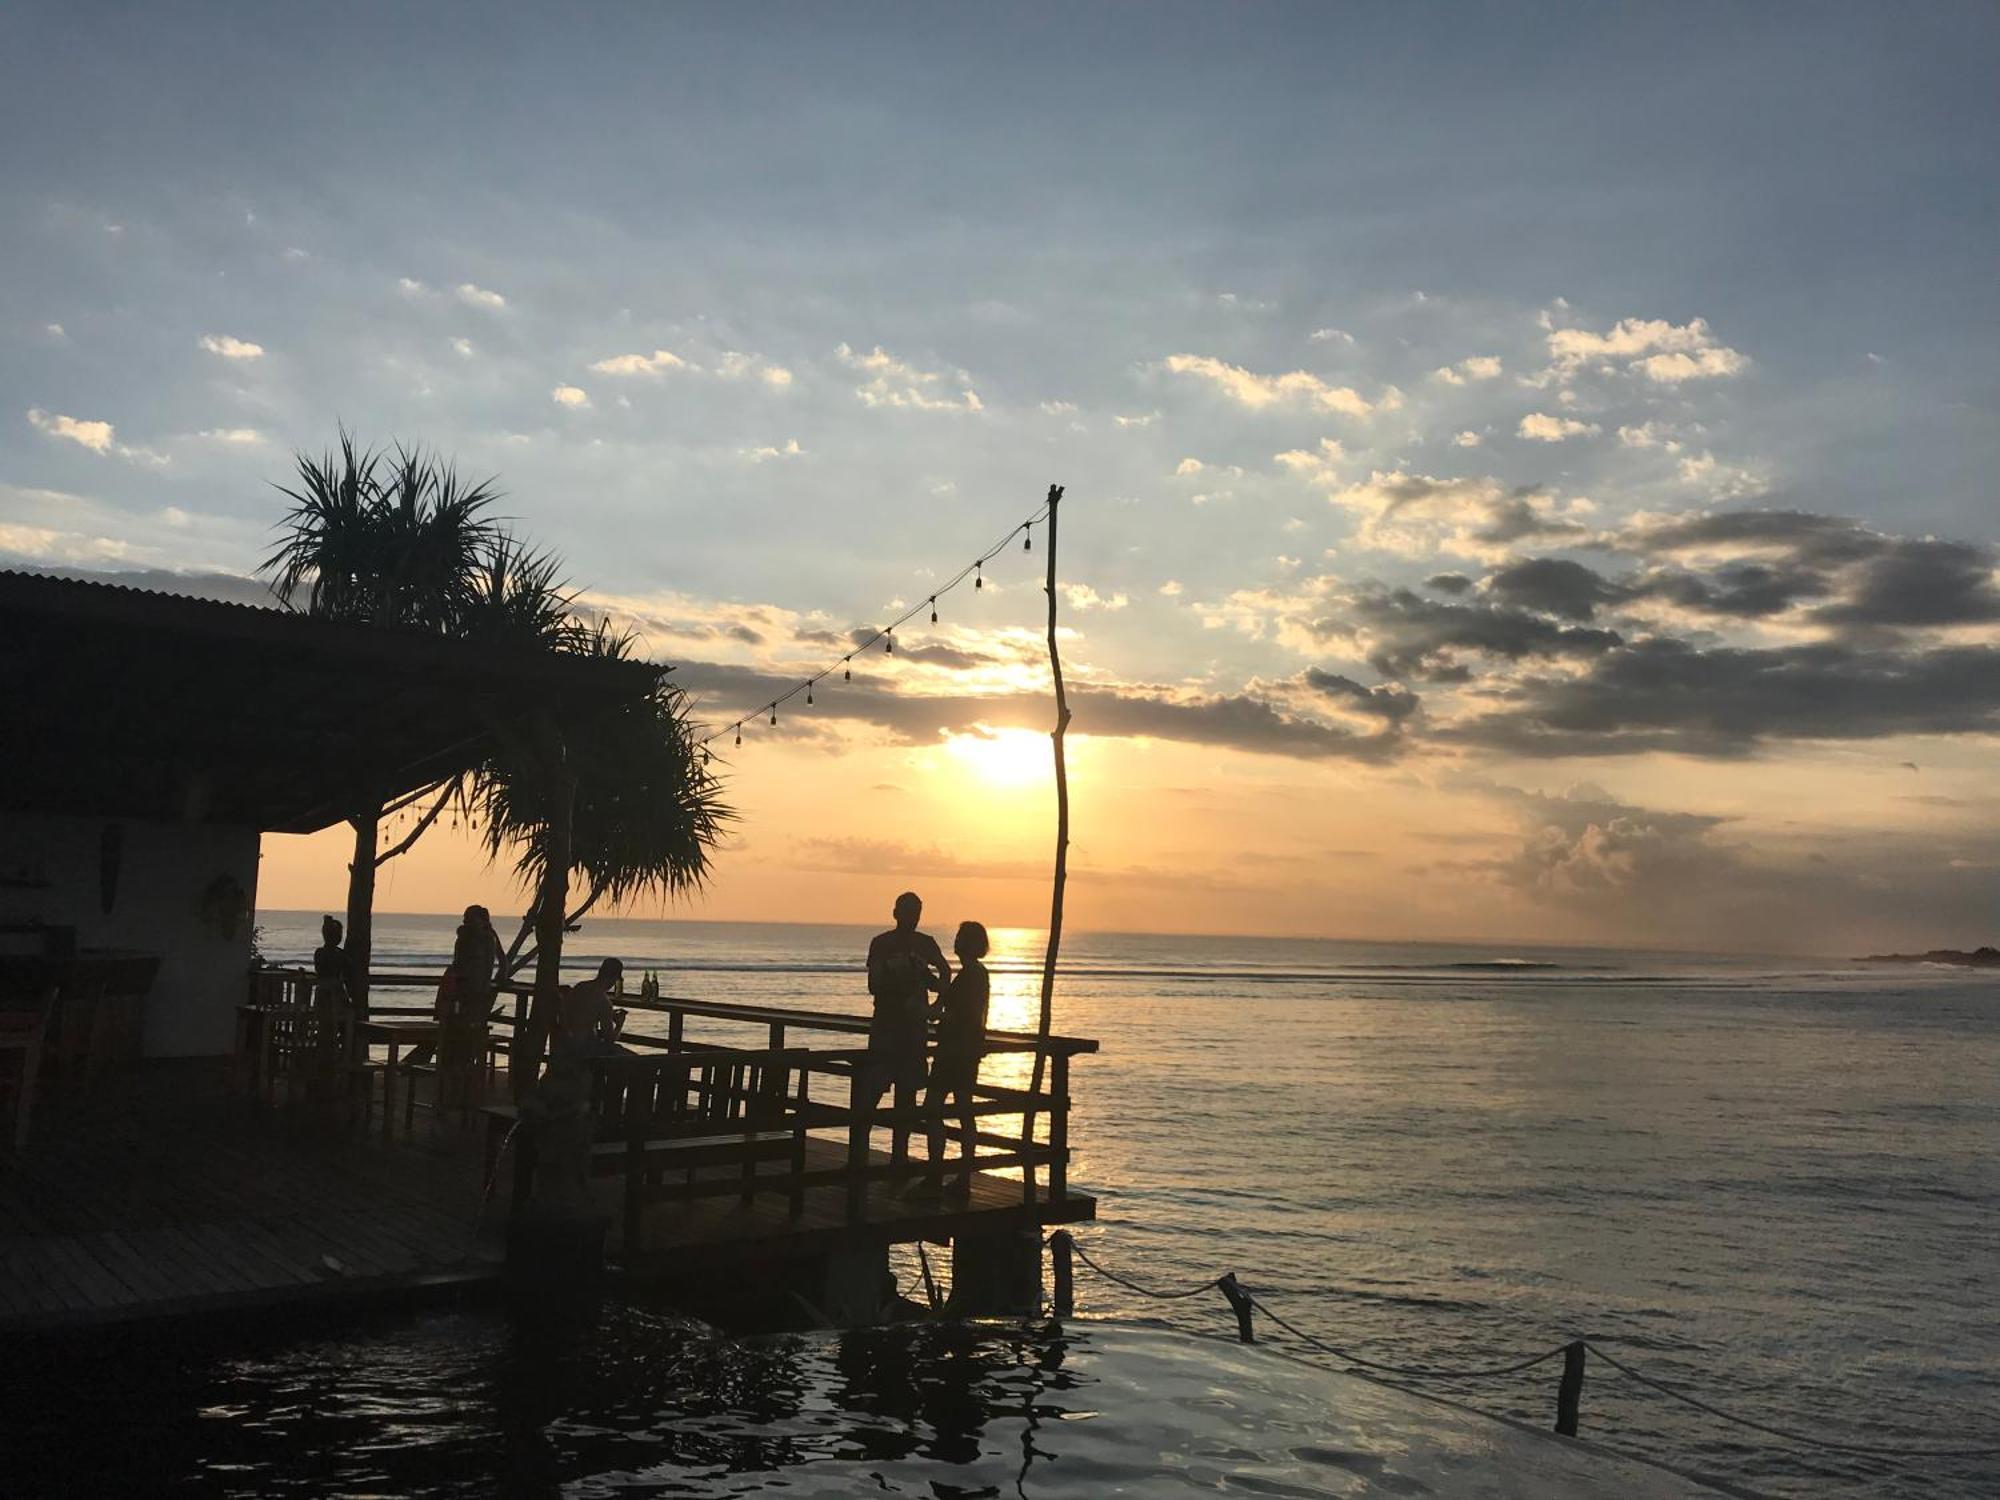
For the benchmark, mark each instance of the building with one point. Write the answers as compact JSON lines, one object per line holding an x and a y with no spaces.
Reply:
{"x":148,"y":740}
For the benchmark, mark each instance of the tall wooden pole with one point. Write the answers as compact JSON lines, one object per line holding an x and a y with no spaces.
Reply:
{"x":1062,"y":860}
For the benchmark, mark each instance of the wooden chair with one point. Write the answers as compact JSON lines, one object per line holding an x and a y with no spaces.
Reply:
{"x":459,"y":1073}
{"x":21,"y":1032}
{"x":307,"y":1061}
{"x":78,"y":1034}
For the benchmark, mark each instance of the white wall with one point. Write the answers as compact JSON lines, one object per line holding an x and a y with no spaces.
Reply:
{"x":164,"y":870}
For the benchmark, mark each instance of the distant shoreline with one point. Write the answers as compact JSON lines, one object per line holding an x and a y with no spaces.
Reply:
{"x":1978,"y":958}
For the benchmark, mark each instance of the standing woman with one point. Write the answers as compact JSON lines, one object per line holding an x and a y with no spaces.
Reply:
{"x":961,"y":1040}
{"x":466,"y":1007}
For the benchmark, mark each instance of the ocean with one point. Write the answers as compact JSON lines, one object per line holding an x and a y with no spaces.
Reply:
{"x":1773,"y":1182}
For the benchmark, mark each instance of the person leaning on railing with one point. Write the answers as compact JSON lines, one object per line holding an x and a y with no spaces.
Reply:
{"x":961,"y":1038}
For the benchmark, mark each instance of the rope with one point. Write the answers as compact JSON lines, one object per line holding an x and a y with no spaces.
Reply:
{"x":1143,"y":1291}
{"x":1410,"y":1373}
{"x":1875,"y":1450}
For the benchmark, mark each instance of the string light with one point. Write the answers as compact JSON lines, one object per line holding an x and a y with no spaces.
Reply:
{"x":975,"y":570}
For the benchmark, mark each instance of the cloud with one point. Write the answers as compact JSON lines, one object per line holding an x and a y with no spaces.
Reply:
{"x":234,"y":437}
{"x":896,"y":383}
{"x":736,"y":365}
{"x":1142,"y":419}
{"x":1402,"y":634}
{"x":1331,"y":336}
{"x":1389,"y":701}
{"x":1468,"y":439}
{"x":570,"y":395}
{"x":656,"y":363}
{"x":480,"y":297}
{"x":55,"y":331}
{"x":231,"y":348}
{"x":1418,"y":515}
{"x":1172,"y":588}
{"x":1318,"y":466}
{"x":1083,"y":597}
{"x":1478,"y":367}
{"x":98,"y":437}
{"x":410,"y":287}
{"x":463,"y":348}
{"x":791,"y":449}
{"x":1663,"y":352}
{"x":1650,"y":435}
{"x":1298,"y":386}
{"x":1540,"y":427}
{"x":1188,"y":466}
{"x":1242,"y":721}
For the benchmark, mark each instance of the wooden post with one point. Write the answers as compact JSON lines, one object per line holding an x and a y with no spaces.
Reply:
{"x":1062,"y":1254}
{"x":551,"y":905}
{"x":1241,"y":1305}
{"x":1059,"y":1127}
{"x":1044,"y":1025}
{"x":361,"y":908}
{"x":1569,"y":1396}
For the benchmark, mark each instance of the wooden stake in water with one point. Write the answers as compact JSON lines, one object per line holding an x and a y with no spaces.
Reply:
{"x":1043,"y":1027}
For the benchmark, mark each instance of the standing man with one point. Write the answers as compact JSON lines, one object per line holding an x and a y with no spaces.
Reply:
{"x":904,"y":966}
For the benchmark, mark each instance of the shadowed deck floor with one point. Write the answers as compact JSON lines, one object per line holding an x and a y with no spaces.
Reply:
{"x":165,"y":1193}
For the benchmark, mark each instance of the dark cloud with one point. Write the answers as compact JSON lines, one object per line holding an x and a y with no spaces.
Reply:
{"x":1411,"y":636}
{"x":1241,"y":721}
{"x":1552,"y":585}
{"x":1384,"y":701}
{"x":1666,"y":694}
{"x":817,"y":637}
{"x":939,"y":655}
{"x":1448,"y":583}
{"x":744,"y":634}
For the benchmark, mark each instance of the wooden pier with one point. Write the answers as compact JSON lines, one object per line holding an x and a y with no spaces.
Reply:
{"x":167,"y":1190}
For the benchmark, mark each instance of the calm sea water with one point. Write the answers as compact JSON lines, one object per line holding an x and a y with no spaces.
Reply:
{"x":1774,"y":1181}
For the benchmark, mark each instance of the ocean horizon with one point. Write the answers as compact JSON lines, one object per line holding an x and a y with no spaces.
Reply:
{"x":1771,"y":1180}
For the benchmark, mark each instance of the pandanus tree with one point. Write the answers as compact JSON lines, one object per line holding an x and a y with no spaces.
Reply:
{"x":391,"y":538}
{"x":617,"y":806}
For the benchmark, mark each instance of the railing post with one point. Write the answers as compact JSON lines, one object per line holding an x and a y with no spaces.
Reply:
{"x":1569,"y":1396}
{"x":777,"y":1036}
{"x":1062,"y":1253}
{"x":676,"y":1025}
{"x":1059,"y":1126}
{"x":1241,"y":1305}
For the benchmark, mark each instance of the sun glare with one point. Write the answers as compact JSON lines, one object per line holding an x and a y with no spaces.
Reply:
{"x":1004,"y":757}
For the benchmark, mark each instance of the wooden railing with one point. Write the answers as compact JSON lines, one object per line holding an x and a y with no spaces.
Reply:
{"x":824,"y":1095}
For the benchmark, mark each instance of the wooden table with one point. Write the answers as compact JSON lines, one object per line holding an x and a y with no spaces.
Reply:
{"x":395,"y":1033}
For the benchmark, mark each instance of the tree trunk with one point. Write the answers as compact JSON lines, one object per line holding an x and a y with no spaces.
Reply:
{"x":1044,"y":1025}
{"x":551,"y":910}
{"x":361,"y":908}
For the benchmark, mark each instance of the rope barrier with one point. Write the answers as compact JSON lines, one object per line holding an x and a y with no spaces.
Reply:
{"x":1874,"y":1449}
{"x":1227,"y":1285}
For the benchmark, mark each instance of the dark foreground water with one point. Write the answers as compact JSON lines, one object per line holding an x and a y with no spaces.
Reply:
{"x":463,"y":1406}
{"x":1773,"y":1181}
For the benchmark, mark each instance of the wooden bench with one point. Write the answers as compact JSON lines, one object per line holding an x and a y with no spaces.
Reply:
{"x":683,"y":1113}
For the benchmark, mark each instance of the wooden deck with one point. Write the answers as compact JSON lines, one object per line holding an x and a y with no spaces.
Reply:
{"x":164,"y":1193}
{"x":725,"y":1230}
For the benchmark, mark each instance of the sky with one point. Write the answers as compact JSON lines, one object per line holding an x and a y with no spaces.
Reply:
{"x":1529,"y":469}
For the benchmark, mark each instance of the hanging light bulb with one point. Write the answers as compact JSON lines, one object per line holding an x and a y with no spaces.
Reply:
{"x":739,"y":732}
{"x":889,"y":640}
{"x":933,"y":609}
{"x":979,"y":575}
{"x":1028,"y":538}
{"x":774,"y":713}
{"x":809,"y":695}
{"x":847,"y":669}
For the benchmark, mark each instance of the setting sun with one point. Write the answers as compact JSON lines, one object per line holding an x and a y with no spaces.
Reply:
{"x":1004,"y":757}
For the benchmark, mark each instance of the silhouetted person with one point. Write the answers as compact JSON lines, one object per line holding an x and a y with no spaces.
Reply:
{"x":904,"y":966}
{"x":587,"y":1023}
{"x":465,"y":998}
{"x":330,"y":971}
{"x":961,"y":1013}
